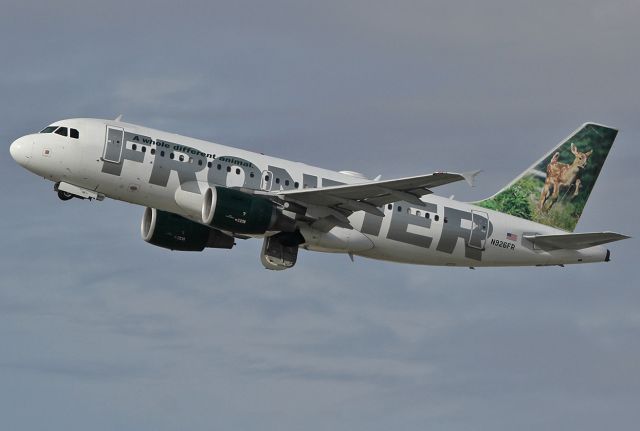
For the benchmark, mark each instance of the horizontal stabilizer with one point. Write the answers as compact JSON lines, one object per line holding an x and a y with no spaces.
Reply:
{"x":574,"y":241}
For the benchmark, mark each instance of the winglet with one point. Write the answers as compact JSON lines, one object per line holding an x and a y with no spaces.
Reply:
{"x":470,"y":177}
{"x":118,"y":118}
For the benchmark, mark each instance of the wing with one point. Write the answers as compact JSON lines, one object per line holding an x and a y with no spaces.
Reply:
{"x":574,"y":241}
{"x":336,"y":203}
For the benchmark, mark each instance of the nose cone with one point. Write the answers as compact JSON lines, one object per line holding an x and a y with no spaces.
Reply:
{"x":20,"y":150}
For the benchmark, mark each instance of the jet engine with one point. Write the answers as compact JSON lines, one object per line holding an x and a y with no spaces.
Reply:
{"x":239,"y":212}
{"x":175,"y":232}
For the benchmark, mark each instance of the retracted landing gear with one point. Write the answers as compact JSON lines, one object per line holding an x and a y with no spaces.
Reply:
{"x":64,"y":196}
{"x":280,"y":251}
{"x":68,"y":191}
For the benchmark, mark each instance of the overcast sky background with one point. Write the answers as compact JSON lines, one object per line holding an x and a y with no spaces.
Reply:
{"x":101,"y":331}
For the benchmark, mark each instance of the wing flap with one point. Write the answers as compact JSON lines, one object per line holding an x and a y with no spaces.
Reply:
{"x":574,"y":241}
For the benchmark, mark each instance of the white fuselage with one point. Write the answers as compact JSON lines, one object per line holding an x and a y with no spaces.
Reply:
{"x":158,"y":169}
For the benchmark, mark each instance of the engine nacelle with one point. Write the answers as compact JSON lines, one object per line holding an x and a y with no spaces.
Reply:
{"x":238,"y":212}
{"x":175,"y":232}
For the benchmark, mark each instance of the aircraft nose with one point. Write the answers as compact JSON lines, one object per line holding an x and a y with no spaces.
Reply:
{"x":20,"y":150}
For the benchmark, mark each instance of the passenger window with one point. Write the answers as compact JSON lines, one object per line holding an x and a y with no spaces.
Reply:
{"x":171,"y":156}
{"x":209,"y":164}
{"x":199,"y":162}
{"x":277,"y":180}
{"x":153,"y":151}
{"x":286,"y":182}
{"x":161,"y":153}
{"x":418,"y":213}
{"x":219,"y":166}
{"x":251,"y":174}
{"x":181,"y":158}
{"x":399,"y":208}
{"x":296,"y":184}
{"x":62,"y":131}
{"x":134,"y":147}
{"x":266,"y":177}
{"x":426,"y":215}
{"x":436,"y":217}
{"x":75,"y":134}
{"x":144,"y":149}
{"x":389,"y":206}
{"x":237,"y":171}
{"x":228,"y":168}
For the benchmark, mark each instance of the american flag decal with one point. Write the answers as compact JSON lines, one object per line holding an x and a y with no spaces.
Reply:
{"x":512,"y":237}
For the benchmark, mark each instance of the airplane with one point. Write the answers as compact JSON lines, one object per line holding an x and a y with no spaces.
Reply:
{"x":200,"y":194}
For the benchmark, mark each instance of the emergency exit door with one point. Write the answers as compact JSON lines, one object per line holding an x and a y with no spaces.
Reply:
{"x":479,"y":229}
{"x":113,"y":145}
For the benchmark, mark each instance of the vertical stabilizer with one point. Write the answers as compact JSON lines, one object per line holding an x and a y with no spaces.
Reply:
{"x":555,"y":189}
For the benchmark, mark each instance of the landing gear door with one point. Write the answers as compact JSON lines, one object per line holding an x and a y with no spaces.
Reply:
{"x":479,"y":229}
{"x":113,"y":144}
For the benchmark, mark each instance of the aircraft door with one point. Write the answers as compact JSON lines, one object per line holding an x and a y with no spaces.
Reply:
{"x":479,"y":229}
{"x":113,"y":144}
{"x":267,"y":180}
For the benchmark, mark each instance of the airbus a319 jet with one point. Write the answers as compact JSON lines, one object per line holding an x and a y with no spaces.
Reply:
{"x":201,"y":195}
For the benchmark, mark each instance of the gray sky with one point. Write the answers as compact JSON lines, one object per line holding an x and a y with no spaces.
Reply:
{"x":102,"y":331}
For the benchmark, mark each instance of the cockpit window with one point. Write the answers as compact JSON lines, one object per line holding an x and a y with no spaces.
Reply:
{"x":48,"y":129}
{"x":74,"y":134}
{"x":61,"y":131}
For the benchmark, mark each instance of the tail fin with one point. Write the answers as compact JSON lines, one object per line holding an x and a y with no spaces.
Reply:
{"x":555,"y":189}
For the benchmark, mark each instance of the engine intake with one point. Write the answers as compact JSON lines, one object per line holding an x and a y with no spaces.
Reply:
{"x":168,"y":230}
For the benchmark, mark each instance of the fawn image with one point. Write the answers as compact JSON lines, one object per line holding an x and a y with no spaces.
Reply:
{"x":562,"y":175}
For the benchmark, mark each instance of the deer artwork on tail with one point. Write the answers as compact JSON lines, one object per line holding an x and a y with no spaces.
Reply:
{"x":562,"y":175}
